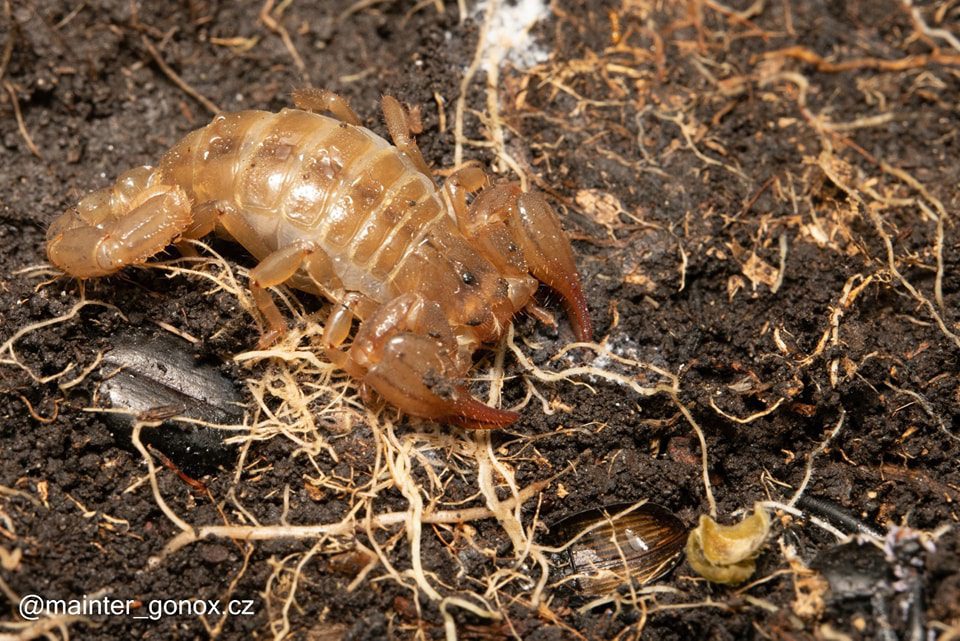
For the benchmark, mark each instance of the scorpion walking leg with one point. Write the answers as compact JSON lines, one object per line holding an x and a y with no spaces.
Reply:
{"x":276,"y":268}
{"x":324,"y":100}
{"x":205,"y":218}
{"x":399,"y":126}
{"x":411,"y":357}
{"x":279,"y":267}
{"x":352,"y":305}
{"x":464,"y":181}
{"x":208,"y":215}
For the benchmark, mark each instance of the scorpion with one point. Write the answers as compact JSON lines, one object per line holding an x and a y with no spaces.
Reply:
{"x":329,"y":207}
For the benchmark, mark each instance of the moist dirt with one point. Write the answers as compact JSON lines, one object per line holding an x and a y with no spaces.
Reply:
{"x":762,"y":200}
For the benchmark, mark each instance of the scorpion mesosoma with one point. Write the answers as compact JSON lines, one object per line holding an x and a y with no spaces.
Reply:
{"x":333,"y":209}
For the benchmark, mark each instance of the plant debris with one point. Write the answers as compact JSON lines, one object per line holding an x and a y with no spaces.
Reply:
{"x":728,"y":553}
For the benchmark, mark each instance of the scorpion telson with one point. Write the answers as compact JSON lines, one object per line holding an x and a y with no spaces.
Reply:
{"x":331,"y":208}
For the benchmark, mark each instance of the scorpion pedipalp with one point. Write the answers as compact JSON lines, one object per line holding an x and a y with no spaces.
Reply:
{"x":411,"y":357}
{"x":520,"y":233}
{"x":410,"y":376}
{"x":550,"y":257}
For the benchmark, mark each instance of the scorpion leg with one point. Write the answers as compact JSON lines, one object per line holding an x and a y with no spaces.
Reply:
{"x":466,"y":180}
{"x":400,"y":127}
{"x":520,"y":230}
{"x":279,"y":267}
{"x":212,"y":214}
{"x":324,"y":100}
{"x":205,"y":218}
{"x":352,"y":305}
{"x":411,"y":357}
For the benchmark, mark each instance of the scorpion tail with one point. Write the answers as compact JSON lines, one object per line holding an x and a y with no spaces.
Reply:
{"x":118,"y":226}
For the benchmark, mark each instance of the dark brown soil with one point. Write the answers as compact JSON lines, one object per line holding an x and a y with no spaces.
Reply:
{"x":817,"y":128}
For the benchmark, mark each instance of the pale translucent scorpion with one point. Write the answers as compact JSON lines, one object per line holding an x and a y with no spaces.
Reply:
{"x":333,"y":209}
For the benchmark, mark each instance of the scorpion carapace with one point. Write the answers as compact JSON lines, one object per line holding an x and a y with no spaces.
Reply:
{"x":331,"y":208}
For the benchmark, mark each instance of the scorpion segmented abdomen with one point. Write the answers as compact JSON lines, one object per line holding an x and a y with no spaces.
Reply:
{"x":361,"y":200}
{"x":299,"y":176}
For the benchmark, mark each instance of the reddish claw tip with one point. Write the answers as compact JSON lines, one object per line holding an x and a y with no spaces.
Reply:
{"x":470,"y":413}
{"x":576,"y":304}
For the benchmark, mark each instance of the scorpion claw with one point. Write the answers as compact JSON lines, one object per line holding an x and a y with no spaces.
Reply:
{"x":411,"y":376}
{"x":470,"y":413}
{"x":521,"y":233}
{"x":409,"y":356}
{"x":550,"y":257}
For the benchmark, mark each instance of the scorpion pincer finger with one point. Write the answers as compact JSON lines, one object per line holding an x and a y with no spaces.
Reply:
{"x":411,"y":375}
{"x":550,"y":257}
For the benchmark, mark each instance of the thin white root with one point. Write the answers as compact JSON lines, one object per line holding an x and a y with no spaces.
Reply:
{"x":152,"y":470}
{"x":808,"y":473}
{"x":749,"y":419}
{"x":342,"y":528}
{"x":704,"y":459}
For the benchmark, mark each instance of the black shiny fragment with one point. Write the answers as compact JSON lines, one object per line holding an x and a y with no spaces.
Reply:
{"x":836,"y":515}
{"x":854,"y":570}
{"x":156,"y":377}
